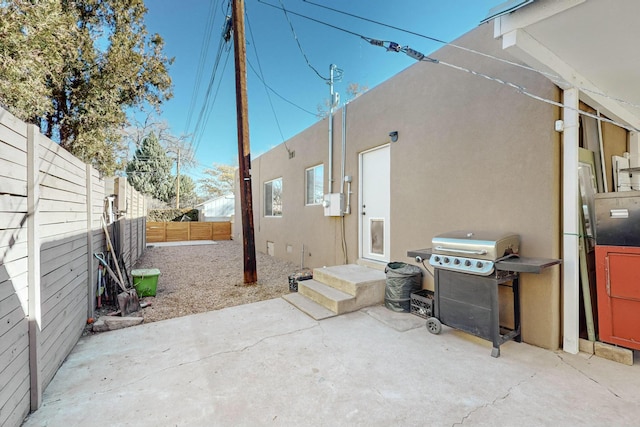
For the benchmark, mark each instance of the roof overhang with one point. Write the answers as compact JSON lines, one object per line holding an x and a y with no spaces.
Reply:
{"x":588,"y":44}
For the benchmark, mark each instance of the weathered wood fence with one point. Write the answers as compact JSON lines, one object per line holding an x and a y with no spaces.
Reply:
{"x":183,"y":231}
{"x":51,"y":208}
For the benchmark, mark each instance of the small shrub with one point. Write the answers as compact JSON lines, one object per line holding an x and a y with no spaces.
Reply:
{"x":172,"y":215}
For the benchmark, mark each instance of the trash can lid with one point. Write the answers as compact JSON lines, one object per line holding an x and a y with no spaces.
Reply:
{"x":145,"y":272}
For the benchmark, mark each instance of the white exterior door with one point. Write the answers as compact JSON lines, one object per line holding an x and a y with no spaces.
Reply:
{"x":374,"y":209}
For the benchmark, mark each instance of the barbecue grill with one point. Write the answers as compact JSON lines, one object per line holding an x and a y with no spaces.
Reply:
{"x":468,"y":269}
{"x":473,"y":253}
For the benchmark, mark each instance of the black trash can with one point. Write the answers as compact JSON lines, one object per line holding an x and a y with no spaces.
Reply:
{"x":402,"y":280}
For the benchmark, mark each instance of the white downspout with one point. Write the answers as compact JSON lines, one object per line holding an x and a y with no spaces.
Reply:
{"x":570,"y":260}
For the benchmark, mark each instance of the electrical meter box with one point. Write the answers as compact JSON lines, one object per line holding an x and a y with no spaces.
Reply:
{"x":333,"y":204}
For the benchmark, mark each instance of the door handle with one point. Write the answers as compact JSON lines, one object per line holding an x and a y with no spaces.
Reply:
{"x":606,"y":275}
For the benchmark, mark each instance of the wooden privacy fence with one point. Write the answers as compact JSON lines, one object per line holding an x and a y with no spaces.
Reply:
{"x":51,"y":208}
{"x":183,"y":231}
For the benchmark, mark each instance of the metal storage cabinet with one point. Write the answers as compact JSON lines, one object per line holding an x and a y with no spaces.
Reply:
{"x":618,"y":285}
{"x":618,"y":218}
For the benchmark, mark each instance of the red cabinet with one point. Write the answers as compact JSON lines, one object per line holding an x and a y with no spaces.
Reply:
{"x":618,"y":283}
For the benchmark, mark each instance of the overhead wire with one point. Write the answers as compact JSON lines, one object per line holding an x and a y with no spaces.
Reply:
{"x":206,"y":104}
{"x":255,"y":49}
{"x":277,"y":94}
{"x":551,"y":76}
{"x":204,"y":49}
{"x":395,"y":47}
{"x":295,"y":36}
{"x":199,"y":132}
{"x":437,"y":40}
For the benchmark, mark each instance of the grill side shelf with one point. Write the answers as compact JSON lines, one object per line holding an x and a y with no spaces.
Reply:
{"x":425,"y":254}
{"x":517,"y":265}
{"x":526,"y":265}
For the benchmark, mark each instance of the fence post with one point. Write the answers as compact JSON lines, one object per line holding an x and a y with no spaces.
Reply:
{"x":33,"y":275}
{"x":129,"y":222}
{"x":90,"y":270}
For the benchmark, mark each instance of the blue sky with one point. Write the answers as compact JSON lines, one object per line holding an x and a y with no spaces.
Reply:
{"x":272,"y":47}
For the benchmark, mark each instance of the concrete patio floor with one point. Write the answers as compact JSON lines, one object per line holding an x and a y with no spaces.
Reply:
{"x":269,"y":364}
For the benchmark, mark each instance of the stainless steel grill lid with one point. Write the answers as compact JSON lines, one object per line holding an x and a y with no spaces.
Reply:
{"x":472,"y":252}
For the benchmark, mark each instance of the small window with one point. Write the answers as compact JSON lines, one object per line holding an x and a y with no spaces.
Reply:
{"x":314,"y":189}
{"x":273,"y":198}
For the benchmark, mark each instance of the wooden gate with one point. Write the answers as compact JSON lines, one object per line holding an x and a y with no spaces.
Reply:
{"x":183,"y":231}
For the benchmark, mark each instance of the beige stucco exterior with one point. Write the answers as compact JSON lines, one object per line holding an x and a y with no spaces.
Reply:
{"x":472,"y":154}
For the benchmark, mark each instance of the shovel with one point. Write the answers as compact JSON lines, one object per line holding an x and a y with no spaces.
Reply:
{"x":128,"y":301}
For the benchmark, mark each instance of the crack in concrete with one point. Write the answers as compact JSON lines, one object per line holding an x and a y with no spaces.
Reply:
{"x":346,"y":370}
{"x":210,"y":356}
{"x":565,"y":362}
{"x":496,"y":400}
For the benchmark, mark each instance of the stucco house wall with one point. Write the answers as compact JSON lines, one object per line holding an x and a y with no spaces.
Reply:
{"x":472,"y":154}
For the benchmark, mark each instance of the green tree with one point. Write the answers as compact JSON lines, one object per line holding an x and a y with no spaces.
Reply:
{"x":32,"y":40}
{"x":149,"y":171}
{"x":353,"y":90}
{"x":219,"y":181}
{"x":89,"y":62}
{"x":188,"y":196}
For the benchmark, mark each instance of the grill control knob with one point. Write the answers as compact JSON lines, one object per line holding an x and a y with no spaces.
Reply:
{"x":456,"y":261}
{"x":479,"y":264}
{"x":467,"y":263}
{"x":446,"y":260}
{"x":436,"y":258}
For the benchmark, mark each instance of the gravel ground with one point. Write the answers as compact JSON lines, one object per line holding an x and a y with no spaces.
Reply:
{"x":199,"y":278}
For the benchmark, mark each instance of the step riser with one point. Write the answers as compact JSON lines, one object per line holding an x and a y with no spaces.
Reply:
{"x":372,"y":294}
{"x":337,"y":307}
{"x":328,"y":279}
{"x":343,"y":289}
{"x":308,"y":307}
{"x":368,"y":296}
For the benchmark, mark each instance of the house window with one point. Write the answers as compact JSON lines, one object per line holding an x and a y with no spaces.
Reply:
{"x":314,"y":179}
{"x":273,"y":198}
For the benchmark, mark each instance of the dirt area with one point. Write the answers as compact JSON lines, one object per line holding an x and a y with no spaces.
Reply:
{"x":199,"y":278}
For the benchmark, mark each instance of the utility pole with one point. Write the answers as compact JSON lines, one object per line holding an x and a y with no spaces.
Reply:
{"x":244,"y":152}
{"x":178,"y":182}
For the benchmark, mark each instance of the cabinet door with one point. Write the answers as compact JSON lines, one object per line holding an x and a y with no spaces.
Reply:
{"x":624,"y":291}
{"x":618,"y":272}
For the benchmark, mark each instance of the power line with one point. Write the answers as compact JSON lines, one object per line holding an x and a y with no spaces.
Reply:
{"x":277,"y":94}
{"x":395,"y":47}
{"x":260,"y":76}
{"x":298,"y":42}
{"x":255,"y":49}
{"x":311,"y":19}
{"x":206,"y":39}
{"x":204,"y":111}
{"x":524,"y":91}
{"x":209,"y":106}
{"x":553,"y":77}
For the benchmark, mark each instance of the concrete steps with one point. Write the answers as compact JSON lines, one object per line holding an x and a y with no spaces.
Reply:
{"x":339,"y":289}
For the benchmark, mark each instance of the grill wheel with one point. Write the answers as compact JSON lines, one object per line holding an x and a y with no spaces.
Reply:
{"x":434,"y":326}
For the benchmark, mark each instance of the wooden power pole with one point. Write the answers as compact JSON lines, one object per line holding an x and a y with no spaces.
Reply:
{"x":244,"y":151}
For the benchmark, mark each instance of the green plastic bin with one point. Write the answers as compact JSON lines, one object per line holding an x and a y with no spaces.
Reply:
{"x":145,"y":281}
